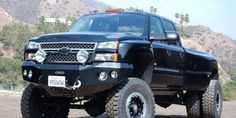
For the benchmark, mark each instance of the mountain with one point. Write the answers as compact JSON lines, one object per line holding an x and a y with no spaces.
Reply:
{"x":30,"y":10}
{"x":5,"y":18}
{"x":217,"y":44}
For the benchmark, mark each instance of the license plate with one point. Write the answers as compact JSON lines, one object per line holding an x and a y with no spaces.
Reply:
{"x":56,"y":81}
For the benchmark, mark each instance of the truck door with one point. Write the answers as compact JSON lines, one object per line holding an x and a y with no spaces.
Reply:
{"x":169,"y":57}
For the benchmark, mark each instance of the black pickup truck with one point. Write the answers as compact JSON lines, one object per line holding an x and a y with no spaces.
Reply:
{"x":118,"y":62}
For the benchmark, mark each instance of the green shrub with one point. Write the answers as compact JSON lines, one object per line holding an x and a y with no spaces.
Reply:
{"x":229,"y":90}
{"x":10,"y":71}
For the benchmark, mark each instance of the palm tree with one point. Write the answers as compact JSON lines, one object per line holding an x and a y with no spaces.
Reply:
{"x":177,"y":15}
{"x":186,"y":19}
{"x":154,"y":10}
{"x":181,"y":22}
{"x":151,"y":9}
{"x":182,"y":18}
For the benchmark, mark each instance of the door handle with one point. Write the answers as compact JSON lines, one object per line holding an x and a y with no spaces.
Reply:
{"x":169,"y":53}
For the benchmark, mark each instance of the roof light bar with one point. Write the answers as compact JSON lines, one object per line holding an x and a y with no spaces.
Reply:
{"x":114,"y":10}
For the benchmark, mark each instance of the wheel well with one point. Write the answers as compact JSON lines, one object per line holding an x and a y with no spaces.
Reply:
{"x":143,"y":67}
{"x":214,"y":74}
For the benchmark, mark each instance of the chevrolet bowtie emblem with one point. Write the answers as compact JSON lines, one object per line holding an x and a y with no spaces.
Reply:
{"x":64,"y":50}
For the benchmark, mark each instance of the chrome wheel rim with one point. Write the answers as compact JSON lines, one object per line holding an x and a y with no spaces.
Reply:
{"x":136,"y":106}
{"x":218,"y":101}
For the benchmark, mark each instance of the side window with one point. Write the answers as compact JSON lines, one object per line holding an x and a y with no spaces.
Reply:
{"x":168,"y":26}
{"x":156,"y":28}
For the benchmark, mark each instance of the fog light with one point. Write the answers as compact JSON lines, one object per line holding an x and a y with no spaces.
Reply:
{"x":30,"y":74}
{"x":25,"y":72}
{"x":40,"y":55}
{"x":114,"y":74}
{"x":102,"y":76}
{"x":82,"y":56}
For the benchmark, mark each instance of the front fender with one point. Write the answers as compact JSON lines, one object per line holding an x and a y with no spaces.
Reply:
{"x":140,"y":54}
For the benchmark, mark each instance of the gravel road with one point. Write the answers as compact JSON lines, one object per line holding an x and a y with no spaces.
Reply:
{"x":10,"y":108}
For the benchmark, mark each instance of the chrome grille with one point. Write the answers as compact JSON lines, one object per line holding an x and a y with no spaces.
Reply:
{"x":73,"y":46}
{"x":54,"y":56}
{"x":59,"y":58}
{"x":68,"y":58}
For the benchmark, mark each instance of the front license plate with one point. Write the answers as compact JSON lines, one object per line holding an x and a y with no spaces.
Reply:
{"x":57,"y":81}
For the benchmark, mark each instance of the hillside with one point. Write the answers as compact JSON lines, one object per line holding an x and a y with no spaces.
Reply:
{"x":30,"y":10}
{"x":5,"y":18}
{"x":214,"y":43}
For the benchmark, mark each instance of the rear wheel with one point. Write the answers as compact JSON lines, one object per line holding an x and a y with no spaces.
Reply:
{"x":212,"y":100}
{"x":36,"y":104}
{"x":132,"y":99}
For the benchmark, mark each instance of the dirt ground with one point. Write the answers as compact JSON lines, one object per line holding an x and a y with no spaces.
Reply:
{"x":10,"y":108}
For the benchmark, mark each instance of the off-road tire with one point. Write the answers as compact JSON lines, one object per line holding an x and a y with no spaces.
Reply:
{"x":95,"y":107}
{"x":211,"y":98}
{"x":31,"y":102}
{"x":116,"y":105}
{"x":193,"y":104}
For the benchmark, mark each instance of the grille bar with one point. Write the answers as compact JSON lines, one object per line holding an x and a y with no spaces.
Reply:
{"x":72,"y":46}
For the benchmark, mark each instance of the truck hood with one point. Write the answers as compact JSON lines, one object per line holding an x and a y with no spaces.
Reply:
{"x":85,"y":37}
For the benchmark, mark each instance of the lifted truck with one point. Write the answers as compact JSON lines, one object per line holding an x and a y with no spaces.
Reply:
{"x":121,"y":63}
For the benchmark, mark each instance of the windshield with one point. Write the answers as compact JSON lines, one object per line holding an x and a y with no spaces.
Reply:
{"x":132,"y":24}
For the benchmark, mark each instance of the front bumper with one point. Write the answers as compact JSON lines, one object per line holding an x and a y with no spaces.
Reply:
{"x":86,"y":74}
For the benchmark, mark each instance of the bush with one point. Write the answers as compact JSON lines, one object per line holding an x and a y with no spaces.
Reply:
{"x":10,"y":71}
{"x":229,"y":90}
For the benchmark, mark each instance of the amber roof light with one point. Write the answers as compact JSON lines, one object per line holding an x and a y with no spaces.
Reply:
{"x":114,"y":10}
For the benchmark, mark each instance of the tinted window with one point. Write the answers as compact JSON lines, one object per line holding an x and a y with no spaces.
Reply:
{"x":156,"y":27}
{"x":168,"y":25}
{"x":131,"y":24}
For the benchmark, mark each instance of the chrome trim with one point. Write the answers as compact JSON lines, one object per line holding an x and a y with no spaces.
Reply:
{"x":72,"y":49}
{"x":166,"y":70}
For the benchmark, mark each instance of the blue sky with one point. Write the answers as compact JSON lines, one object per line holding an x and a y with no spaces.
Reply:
{"x":219,"y":15}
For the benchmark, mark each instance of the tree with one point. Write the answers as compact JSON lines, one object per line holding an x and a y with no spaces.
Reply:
{"x":153,"y":9}
{"x":70,"y":21}
{"x":186,"y":19}
{"x":24,"y":33}
{"x":43,"y":27}
{"x":182,"y":18}
{"x":177,"y":16}
{"x":131,"y":8}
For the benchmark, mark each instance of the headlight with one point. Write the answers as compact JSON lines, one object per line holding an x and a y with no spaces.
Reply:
{"x":106,"y":57}
{"x":108,"y":45}
{"x":33,"y":45}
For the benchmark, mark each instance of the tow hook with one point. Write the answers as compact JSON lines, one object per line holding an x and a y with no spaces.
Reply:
{"x":76,"y":85}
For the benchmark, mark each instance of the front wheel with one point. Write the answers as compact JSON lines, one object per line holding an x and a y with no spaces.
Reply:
{"x":131,"y":99}
{"x":36,"y":104}
{"x":212,"y":100}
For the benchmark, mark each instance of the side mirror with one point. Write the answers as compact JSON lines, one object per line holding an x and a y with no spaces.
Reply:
{"x":170,"y":36}
{"x":174,"y":36}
